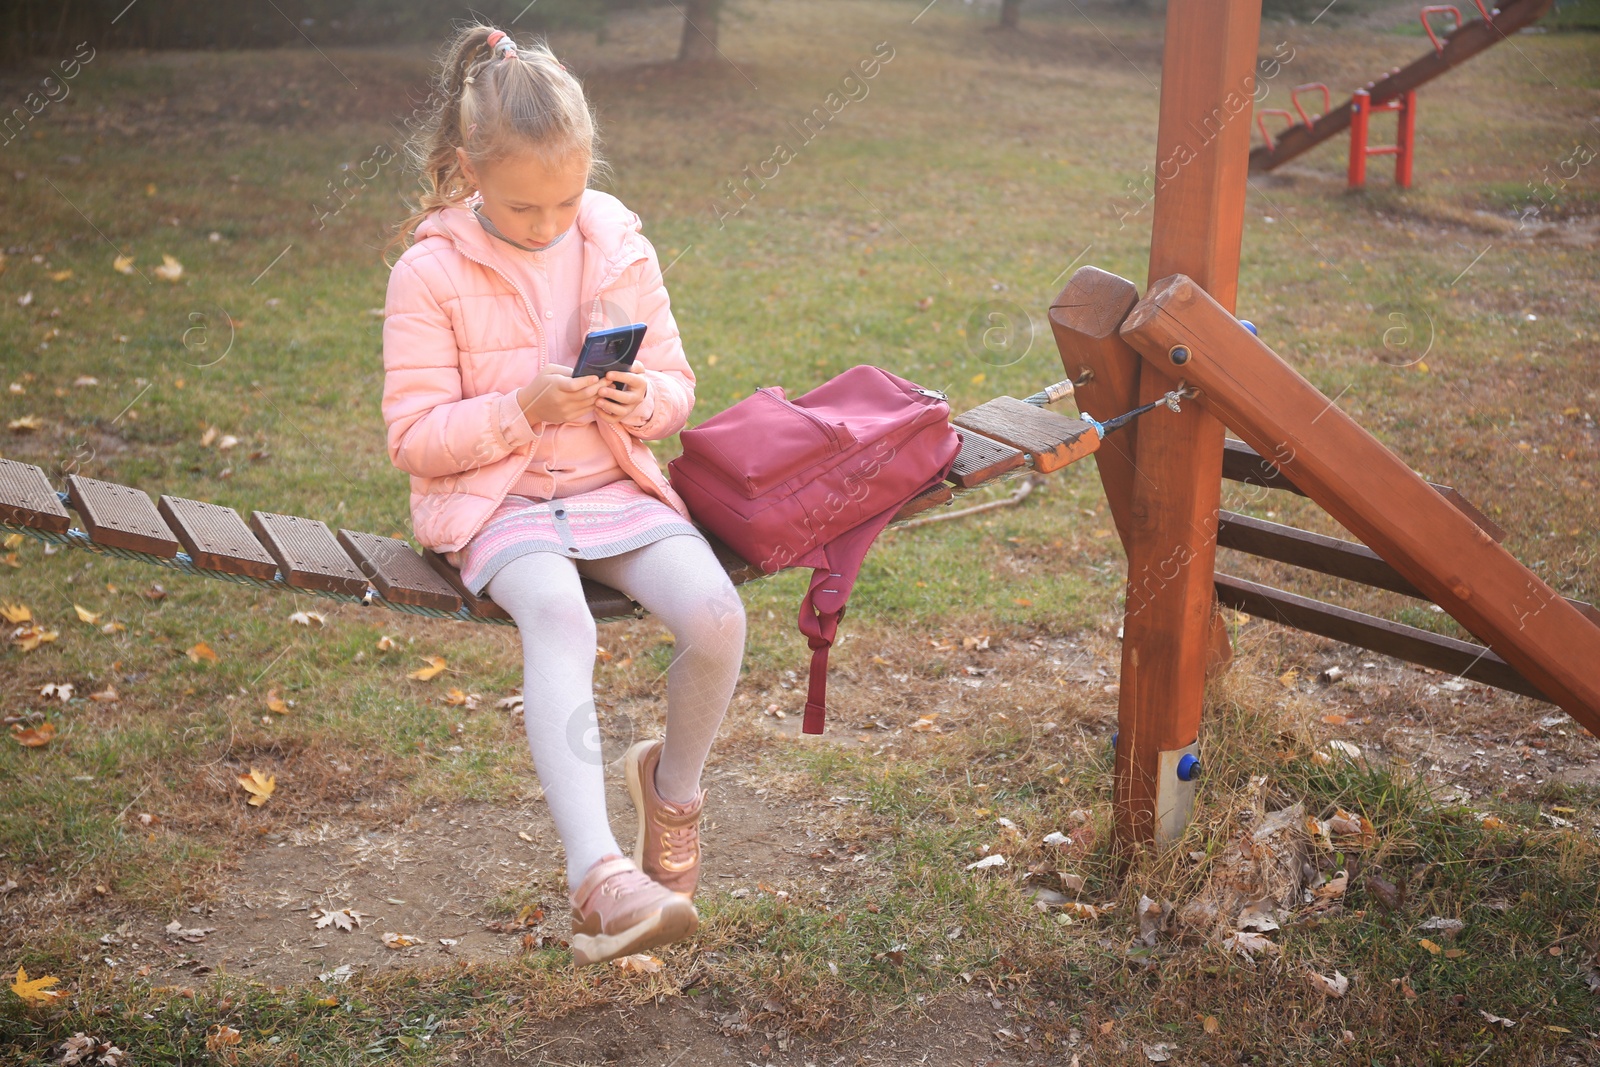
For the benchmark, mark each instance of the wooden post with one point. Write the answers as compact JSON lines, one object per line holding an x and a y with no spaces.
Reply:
{"x":1202,"y":156}
{"x":1085,"y":319}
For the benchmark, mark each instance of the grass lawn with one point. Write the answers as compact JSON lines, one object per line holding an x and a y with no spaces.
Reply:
{"x":974,"y":695}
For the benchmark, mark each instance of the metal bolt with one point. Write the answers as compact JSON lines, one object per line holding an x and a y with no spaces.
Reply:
{"x":1179,"y":354}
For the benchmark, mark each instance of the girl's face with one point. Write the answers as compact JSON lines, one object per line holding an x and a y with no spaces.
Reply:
{"x":528,"y":200}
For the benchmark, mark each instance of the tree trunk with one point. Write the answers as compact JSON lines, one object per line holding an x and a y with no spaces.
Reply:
{"x":1010,"y":13}
{"x":699,"y":40}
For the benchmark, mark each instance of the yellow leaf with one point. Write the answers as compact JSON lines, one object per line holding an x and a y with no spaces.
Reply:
{"x":393,"y":940}
{"x":1287,"y":678}
{"x":1493,"y":822}
{"x":436,"y":665}
{"x":34,"y":990}
{"x":60,"y":275}
{"x":34,"y":636}
{"x":275,"y":703}
{"x":259,"y":786}
{"x":455,"y":698}
{"x":108,"y":695}
{"x":202,"y":651}
{"x":1211,"y":1025}
{"x":1563,"y":811}
{"x":385,"y":643}
{"x":170,"y":270}
{"x":34,"y":736}
{"x":641,"y":962}
{"x":15,"y":613}
{"x":221,"y":1036}
{"x":85,"y":615}
{"x":1454,"y":953}
{"x":328,"y":1002}
{"x":977,"y":379}
{"x":1432,"y":948}
{"x":13,"y":542}
{"x":25,"y":423}
{"x":112,"y":628}
{"x":122,"y":264}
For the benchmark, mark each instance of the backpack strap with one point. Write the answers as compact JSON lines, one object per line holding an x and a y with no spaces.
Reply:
{"x":824,"y":604}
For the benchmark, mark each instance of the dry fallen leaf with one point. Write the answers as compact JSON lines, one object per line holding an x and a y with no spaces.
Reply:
{"x":640,"y":962}
{"x":16,"y":613}
{"x":391,"y":940}
{"x":122,"y":264}
{"x":276,"y":703}
{"x":1210,"y":1025}
{"x":343,"y":919}
{"x":201,"y":651}
{"x":1336,"y":986}
{"x":177,"y":932}
{"x":306,"y":618}
{"x":385,"y":643}
{"x":221,"y":1035}
{"x":29,"y":638}
{"x":436,"y":665}
{"x":992,"y":860}
{"x":108,"y":695}
{"x":34,"y":991}
{"x":1249,"y":944}
{"x":33,"y":736}
{"x":170,"y":270}
{"x":62,"y":691}
{"x":1432,"y":948}
{"x":259,"y":786}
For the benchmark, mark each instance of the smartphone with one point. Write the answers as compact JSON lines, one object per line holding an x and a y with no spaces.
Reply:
{"x":607,"y":350}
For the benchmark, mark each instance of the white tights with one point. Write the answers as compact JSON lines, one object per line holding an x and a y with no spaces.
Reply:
{"x":677,"y":579}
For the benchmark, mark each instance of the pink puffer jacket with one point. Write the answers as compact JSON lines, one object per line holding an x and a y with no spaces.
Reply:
{"x":460,"y":337}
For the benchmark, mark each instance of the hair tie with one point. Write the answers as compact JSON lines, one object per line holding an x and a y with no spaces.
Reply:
{"x":501,"y":44}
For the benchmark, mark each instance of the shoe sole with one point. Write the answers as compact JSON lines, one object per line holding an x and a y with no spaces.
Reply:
{"x":676,"y":919}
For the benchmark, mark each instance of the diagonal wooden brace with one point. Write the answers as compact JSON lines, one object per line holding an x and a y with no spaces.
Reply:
{"x":1371,"y":492}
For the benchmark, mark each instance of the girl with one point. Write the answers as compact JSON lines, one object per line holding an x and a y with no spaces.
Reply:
{"x":529,"y":479}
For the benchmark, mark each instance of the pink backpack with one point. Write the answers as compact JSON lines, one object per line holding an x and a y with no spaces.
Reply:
{"x":811,"y":482}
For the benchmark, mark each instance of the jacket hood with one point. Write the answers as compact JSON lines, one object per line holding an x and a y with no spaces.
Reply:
{"x":604,"y":222}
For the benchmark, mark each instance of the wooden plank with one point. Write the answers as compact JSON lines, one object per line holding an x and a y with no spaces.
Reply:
{"x":1461,"y":46}
{"x":928,"y":498}
{"x":481,"y":606}
{"x":1375,"y":495}
{"x":606,"y":603}
{"x":981,"y":460}
{"x":1051,"y":440}
{"x":28,"y":499}
{"x":307,"y":554}
{"x":1241,"y":463}
{"x":1315,"y":552}
{"x":738,"y":570}
{"x":1409,"y":643}
{"x":216,"y":538}
{"x":398,"y":572}
{"x":1197,"y":221}
{"x":120,"y":516}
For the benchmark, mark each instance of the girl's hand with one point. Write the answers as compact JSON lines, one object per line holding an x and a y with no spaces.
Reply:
{"x":615,"y":404}
{"x":556,"y":396}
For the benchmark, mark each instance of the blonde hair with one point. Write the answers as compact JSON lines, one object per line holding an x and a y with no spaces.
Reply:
{"x":495,"y":98}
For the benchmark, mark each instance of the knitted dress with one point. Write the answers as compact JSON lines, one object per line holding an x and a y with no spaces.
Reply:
{"x":611,"y":514}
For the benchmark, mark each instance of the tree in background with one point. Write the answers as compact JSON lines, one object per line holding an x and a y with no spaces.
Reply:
{"x":699,"y":41}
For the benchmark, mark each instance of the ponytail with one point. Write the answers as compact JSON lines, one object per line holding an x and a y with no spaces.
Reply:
{"x":495,"y":99}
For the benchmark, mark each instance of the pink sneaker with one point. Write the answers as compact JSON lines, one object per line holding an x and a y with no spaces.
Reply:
{"x":668,"y":847}
{"x":617,"y":910}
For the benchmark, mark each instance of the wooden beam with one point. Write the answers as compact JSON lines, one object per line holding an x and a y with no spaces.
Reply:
{"x":1314,"y":552}
{"x":1373,"y":494}
{"x":1241,"y":463}
{"x":1461,"y":658}
{"x":1105,"y":373}
{"x":1085,"y":319}
{"x":1202,"y":156}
